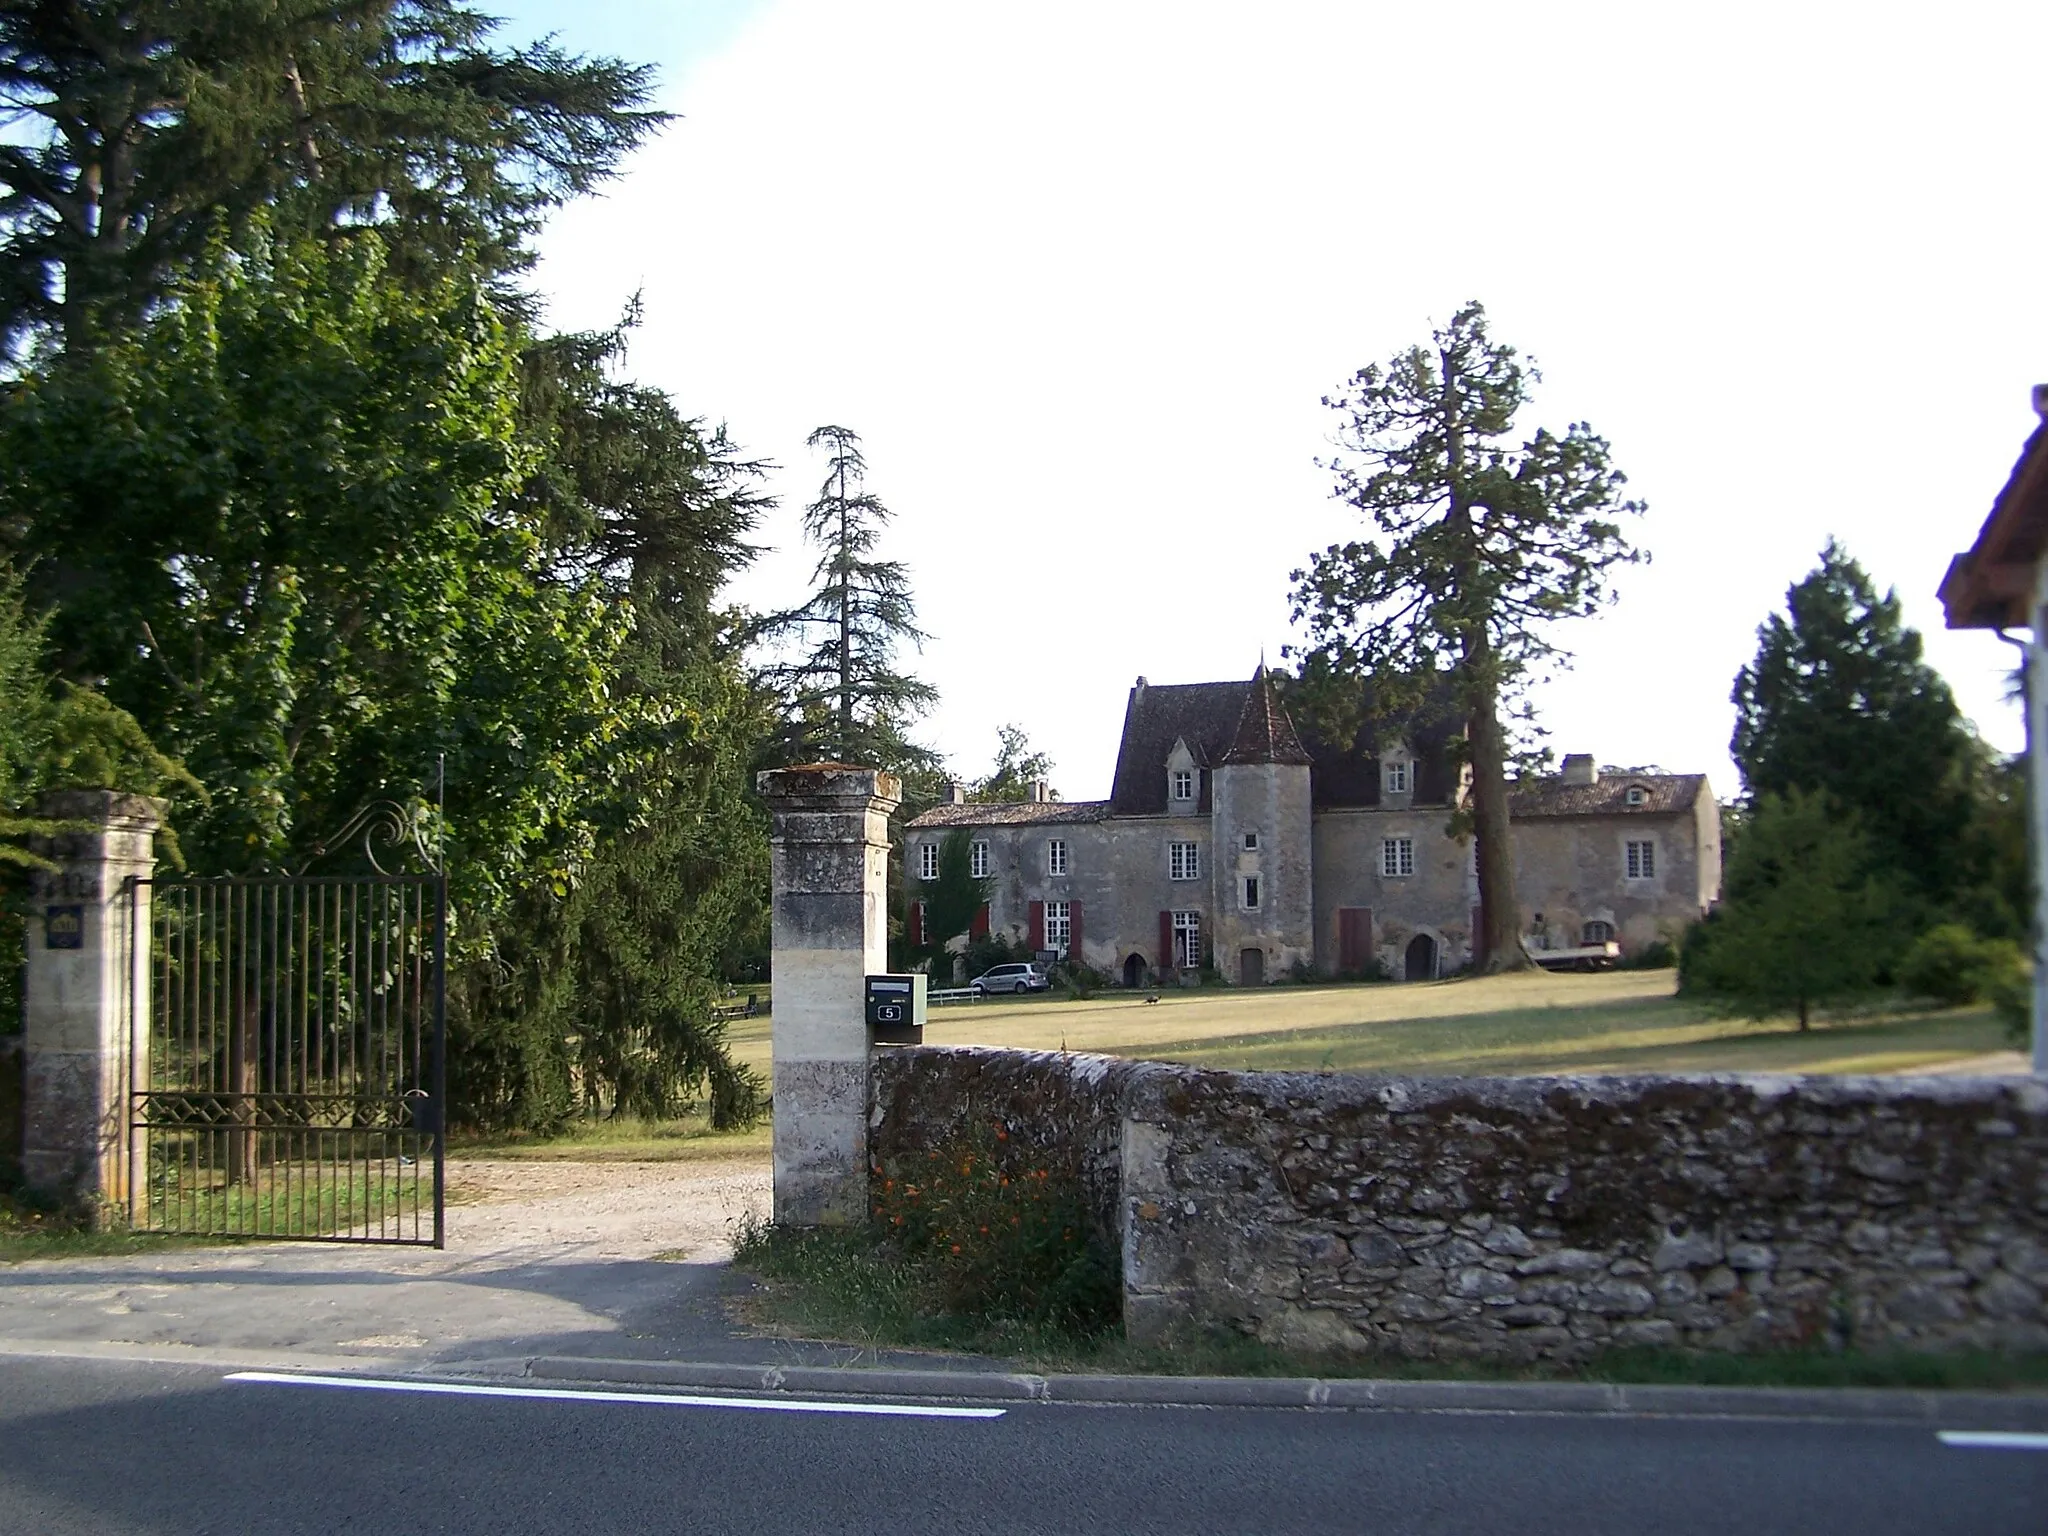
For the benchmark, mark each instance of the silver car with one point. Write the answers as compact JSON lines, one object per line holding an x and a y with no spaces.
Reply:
{"x":1024,"y":977}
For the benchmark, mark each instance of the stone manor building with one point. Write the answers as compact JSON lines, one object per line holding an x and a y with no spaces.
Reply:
{"x":1229,"y":841}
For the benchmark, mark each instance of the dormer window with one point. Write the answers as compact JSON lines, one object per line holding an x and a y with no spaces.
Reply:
{"x":1251,"y":842}
{"x":1636,"y":794}
{"x":1183,"y":783}
{"x":1394,"y":777}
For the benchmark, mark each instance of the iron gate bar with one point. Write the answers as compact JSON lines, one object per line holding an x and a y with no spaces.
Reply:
{"x":296,"y":1061}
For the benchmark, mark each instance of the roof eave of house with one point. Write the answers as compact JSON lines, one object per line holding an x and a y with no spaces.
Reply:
{"x":1990,"y":585}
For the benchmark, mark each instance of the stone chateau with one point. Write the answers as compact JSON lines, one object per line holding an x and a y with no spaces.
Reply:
{"x":1228,"y":840}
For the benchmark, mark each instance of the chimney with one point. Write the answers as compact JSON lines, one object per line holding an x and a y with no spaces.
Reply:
{"x":1579,"y":769}
{"x":956,"y":792}
{"x":1038,"y":791}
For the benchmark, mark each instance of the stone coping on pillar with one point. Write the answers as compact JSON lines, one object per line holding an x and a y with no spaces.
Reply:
{"x":103,"y":808}
{"x":829,"y":783}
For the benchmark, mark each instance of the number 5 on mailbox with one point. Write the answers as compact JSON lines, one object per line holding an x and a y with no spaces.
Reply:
{"x":896,"y":1009}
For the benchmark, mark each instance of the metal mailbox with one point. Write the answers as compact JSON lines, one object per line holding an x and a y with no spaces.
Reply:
{"x":895,"y":1007}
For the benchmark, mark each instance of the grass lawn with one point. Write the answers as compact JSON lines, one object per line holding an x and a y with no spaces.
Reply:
{"x":621,"y":1141}
{"x":1617,"y":1021}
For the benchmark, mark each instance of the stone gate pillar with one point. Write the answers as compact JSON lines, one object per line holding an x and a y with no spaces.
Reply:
{"x":831,"y":846}
{"x":87,"y":982}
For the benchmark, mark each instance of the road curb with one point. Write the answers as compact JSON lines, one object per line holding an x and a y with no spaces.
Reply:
{"x":1876,"y":1405}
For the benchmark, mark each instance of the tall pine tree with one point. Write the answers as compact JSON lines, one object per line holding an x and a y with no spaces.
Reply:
{"x":845,"y":698}
{"x":1478,"y":544}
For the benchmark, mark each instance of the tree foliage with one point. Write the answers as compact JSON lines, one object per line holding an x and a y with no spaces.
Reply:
{"x":1481,"y":542}
{"x":1811,"y":917}
{"x":1016,"y":768}
{"x":320,"y":525}
{"x":142,"y":124}
{"x":844,"y":698}
{"x":951,"y":901}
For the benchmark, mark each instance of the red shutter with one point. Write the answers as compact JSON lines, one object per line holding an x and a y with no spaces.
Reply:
{"x":917,"y":929}
{"x":978,"y":929}
{"x":1165,"y":942}
{"x":1074,"y":932}
{"x":1037,"y":926}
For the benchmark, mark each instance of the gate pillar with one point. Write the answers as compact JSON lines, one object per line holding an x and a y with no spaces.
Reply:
{"x":85,"y":1019}
{"x":831,"y":917}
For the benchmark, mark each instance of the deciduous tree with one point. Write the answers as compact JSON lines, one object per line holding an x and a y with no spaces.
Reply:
{"x":1480,"y":543}
{"x":1809,"y":917}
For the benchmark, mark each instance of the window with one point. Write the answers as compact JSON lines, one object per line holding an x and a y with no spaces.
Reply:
{"x":1394,"y":778}
{"x":1597,"y":932}
{"x":1642,"y":861}
{"x":1397,"y":856}
{"x":1187,"y":940}
{"x":977,"y":860}
{"x":1183,"y":783}
{"x":1059,"y":925}
{"x":1251,"y":842}
{"x":1636,"y":794}
{"x":1184,"y":861}
{"x":1251,"y":893}
{"x":927,"y":861}
{"x":1056,"y":856}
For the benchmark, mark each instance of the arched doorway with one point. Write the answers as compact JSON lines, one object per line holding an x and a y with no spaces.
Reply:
{"x":1134,"y":971}
{"x":1251,"y":967}
{"x":1421,"y":958}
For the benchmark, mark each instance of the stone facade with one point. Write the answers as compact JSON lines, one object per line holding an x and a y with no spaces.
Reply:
{"x":1531,"y":1218}
{"x":1230,"y":838}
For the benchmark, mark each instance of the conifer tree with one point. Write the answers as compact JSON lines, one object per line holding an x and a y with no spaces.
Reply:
{"x":144,"y":124}
{"x":1839,"y":701}
{"x":845,"y":698}
{"x":1478,"y":544}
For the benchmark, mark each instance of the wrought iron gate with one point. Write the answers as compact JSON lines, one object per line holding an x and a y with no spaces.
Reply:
{"x":295,"y":1077}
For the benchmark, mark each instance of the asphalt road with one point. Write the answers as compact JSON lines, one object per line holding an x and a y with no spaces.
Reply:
{"x":113,"y":1448}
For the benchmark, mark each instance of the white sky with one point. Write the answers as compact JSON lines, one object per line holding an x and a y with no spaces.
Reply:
{"x":1079,"y":273}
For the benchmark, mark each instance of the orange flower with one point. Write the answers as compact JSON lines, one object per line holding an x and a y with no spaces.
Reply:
{"x":956,"y":1247}
{"x":899,"y":1221}
{"x":984,"y":1231}
{"x":1005,"y":1181}
{"x":888,"y":1184}
{"x":1001,"y":1134}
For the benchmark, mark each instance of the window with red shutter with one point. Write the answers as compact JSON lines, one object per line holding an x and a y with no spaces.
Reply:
{"x":1037,"y":926}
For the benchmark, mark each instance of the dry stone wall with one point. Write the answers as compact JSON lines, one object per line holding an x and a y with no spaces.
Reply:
{"x":1534,"y":1217}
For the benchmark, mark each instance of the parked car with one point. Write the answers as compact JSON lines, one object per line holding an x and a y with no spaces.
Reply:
{"x":1023,"y":977}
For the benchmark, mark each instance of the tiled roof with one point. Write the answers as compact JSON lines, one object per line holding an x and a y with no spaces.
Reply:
{"x":1204,"y":715}
{"x":1663,"y":794}
{"x":1264,"y":733}
{"x":1024,"y":813}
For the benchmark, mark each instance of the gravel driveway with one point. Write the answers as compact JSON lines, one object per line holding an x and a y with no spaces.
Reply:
{"x":542,"y":1258}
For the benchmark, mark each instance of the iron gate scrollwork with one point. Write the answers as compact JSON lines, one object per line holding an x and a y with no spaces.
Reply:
{"x":295,"y":1083}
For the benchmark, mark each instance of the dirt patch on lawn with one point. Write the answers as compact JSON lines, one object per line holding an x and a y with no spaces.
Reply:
{"x":604,"y":1210}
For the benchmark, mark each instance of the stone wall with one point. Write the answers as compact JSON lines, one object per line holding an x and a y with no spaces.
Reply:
{"x":1535,"y":1217}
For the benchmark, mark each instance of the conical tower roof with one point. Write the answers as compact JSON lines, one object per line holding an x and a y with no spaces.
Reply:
{"x":1264,"y":733}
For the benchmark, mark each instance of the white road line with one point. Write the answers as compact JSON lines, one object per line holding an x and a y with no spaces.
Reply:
{"x":1993,"y":1440}
{"x":565,"y":1395}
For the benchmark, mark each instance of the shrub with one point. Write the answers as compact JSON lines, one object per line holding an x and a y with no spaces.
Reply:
{"x":994,"y":1234}
{"x":1657,"y":955}
{"x":1950,"y":964}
